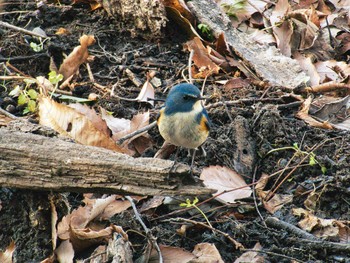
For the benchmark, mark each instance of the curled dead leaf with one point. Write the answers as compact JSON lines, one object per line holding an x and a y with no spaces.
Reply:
{"x":78,"y":56}
{"x":73,"y":124}
{"x":224,"y":179}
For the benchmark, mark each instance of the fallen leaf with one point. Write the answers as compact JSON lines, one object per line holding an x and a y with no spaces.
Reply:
{"x":322,"y":228}
{"x":154,"y":202}
{"x":6,"y":256}
{"x":73,"y":124}
{"x":146,"y":93}
{"x":172,"y":254}
{"x":206,"y":252}
{"x":205,"y":66}
{"x":326,"y":70}
{"x":65,"y":252}
{"x":82,"y":226}
{"x":251,"y":256}
{"x":303,"y":114}
{"x":308,"y":67}
{"x":224,"y":179}
{"x":78,"y":56}
{"x":282,"y":28}
{"x":276,"y":202}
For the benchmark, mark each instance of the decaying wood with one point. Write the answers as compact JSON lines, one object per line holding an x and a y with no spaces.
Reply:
{"x":267,"y":62}
{"x":37,"y":162}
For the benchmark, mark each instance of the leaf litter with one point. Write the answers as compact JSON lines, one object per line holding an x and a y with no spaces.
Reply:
{"x":86,"y":225}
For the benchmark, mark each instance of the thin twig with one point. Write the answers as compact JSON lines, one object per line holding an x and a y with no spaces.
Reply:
{"x":137,"y":132}
{"x":254,"y":198}
{"x":189,"y":66}
{"x":272,"y":254}
{"x":145,"y":228}
{"x":7,"y":114}
{"x":25,"y":31}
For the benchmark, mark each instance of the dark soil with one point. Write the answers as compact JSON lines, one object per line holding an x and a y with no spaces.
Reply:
{"x":264,"y":124}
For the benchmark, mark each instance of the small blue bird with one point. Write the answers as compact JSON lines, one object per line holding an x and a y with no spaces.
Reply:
{"x":183,"y":121}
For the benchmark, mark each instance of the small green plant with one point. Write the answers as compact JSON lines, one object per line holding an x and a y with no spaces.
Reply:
{"x":237,"y":6}
{"x":26,"y":96}
{"x":298,"y":152}
{"x":193,"y":204}
{"x":205,"y":30}
{"x":38,"y":47}
{"x":55,"y":78}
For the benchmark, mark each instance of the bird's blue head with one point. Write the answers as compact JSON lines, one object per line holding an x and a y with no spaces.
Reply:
{"x":182,"y":98}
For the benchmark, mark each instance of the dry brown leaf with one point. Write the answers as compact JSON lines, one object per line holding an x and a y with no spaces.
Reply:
{"x":65,"y":252}
{"x":172,"y":254}
{"x":6,"y":256}
{"x":251,"y":256}
{"x":82,"y":226}
{"x":205,"y":66}
{"x":282,"y":28}
{"x":344,"y":231}
{"x":181,"y":7}
{"x":224,"y":179}
{"x":303,"y":114}
{"x":91,"y":114}
{"x":116,"y":125}
{"x":308,"y":67}
{"x":235,"y":83}
{"x":322,"y":228}
{"x":147,"y":92}
{"x":326,"y":72}
{"x":154,"y":202}
{"x":276,"y":202}
{"x":69,"y":122}
{"x":78,"y":56}
{"x":206,"y":252}
{"x":62,"y":31}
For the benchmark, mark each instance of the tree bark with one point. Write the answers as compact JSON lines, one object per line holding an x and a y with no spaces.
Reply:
{"x":267,"y":62}
{"x":37,"y":162}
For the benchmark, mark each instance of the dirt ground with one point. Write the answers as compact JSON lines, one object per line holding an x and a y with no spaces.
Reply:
{"x":252,"y":127}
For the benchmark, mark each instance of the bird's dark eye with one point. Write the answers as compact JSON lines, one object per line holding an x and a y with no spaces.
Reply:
{"x":186,"y":97}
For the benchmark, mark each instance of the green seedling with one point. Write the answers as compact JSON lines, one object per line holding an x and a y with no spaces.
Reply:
{"x":298,"y":152}
{"x":38,"y":47}
{"x":26,"y":96}
{"x":189,"y":204}
{"x":237,"y":6}
{"x":205,"y":30}
{"x":55,"y":78}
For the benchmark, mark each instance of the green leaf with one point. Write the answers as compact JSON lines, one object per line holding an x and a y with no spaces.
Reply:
{"x":32,"y":94}
{"x":31,"y":105}
{"x":295,"y":145}
{"x":195,"y":201}
{"x":22,"y":99}
{"x":312,"y":160}
{"x":323,"y":169}
{"x":54,"y":78}
{"x":36,"y":47}
{"x":26,"y":110}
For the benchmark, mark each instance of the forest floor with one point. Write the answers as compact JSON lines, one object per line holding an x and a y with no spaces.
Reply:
{"x":261,"y":120}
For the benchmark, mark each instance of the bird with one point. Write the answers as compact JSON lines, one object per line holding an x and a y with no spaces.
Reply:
{"x":183,"y":121}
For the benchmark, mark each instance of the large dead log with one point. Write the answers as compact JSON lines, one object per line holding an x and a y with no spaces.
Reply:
{"x":37,"y":162}
{"x":267,"y":62}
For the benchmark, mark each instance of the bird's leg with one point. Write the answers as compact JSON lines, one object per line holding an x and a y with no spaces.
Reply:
{"x":192,"y":162}
{"x":203,"y":151}
{"x":175,"y":158}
